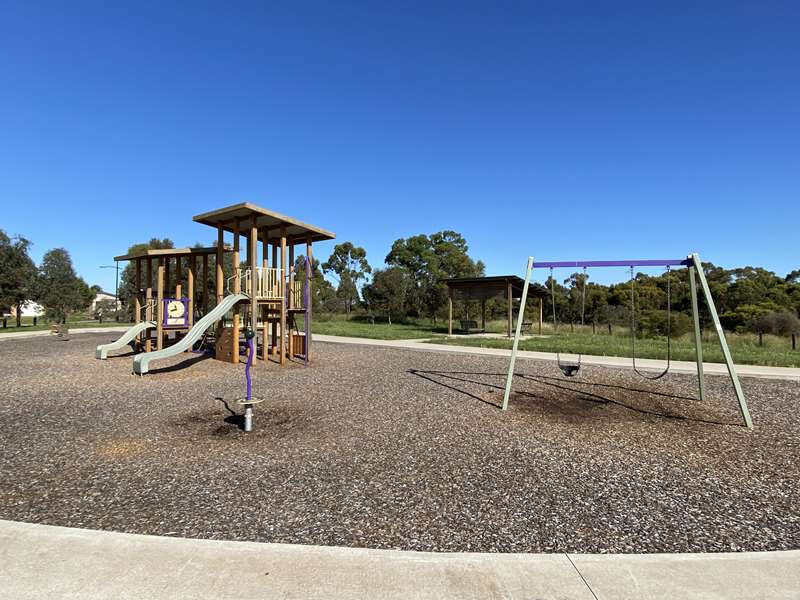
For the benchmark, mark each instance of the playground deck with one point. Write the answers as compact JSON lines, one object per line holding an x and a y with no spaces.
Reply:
{"x":389,"y":448}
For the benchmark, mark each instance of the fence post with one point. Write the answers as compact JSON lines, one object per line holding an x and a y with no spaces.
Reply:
{"x":794,"y":341}
{"x":609,"y":328}
{"x":760,"y":338}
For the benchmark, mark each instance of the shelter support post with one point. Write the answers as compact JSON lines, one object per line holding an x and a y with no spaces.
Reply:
{"x":483,"y":314}
{"x":737,"y":386}
{"x":511,"y":309}
{"x":698,"y":335}
{"x":515,"y":345}
{"x":450,"y":312}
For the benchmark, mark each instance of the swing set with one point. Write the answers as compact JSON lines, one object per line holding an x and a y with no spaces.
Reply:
{"x":695,"y":273}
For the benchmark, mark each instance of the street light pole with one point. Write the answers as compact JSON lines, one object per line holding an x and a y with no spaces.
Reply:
{"x":115,"y":266}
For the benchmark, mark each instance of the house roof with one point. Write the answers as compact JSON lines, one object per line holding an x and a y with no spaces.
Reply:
{"x":269,"y":223}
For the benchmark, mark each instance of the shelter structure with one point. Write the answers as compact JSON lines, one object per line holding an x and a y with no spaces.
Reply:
{"x":483,"y":289}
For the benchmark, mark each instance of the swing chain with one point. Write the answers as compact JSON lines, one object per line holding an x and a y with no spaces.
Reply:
{"x":669,"y":326}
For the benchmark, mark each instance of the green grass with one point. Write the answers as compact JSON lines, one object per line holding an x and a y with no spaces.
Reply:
{"x":379,"y":331}
{"x":77,"y":322}
{"x":775,"y":352}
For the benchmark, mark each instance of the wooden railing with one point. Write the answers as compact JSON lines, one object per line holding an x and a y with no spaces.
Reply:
{"x":298,"y":297}
{"x":269,"y":283}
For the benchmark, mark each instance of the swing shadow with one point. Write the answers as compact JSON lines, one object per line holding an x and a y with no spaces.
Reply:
{"x":586,"y":396}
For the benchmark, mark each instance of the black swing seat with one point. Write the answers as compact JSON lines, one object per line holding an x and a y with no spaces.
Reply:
{"x":569,"y":370}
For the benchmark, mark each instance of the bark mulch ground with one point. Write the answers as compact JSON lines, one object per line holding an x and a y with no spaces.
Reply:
{"x":387,"y":448}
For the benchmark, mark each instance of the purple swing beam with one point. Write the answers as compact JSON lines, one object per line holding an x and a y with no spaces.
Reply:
{"x":685,"y":262}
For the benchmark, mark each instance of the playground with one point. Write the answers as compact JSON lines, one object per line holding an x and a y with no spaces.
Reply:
{"x":392,"y":448}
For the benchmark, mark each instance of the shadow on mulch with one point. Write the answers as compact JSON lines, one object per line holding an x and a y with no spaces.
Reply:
{"x":494,"y":397}
{"x":184,"y":364}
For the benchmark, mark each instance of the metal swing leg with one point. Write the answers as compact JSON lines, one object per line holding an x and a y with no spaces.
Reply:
{"x":520,"y":315}
{"x":698,"y":336}
{"x":722,"y":342}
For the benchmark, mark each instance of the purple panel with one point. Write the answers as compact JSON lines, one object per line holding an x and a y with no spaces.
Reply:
{"x":613,"y":263}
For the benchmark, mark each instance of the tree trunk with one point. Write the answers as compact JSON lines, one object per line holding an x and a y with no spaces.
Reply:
{"x":19,"y":314}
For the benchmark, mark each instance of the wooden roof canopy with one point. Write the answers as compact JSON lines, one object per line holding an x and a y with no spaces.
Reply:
{"x":483,"y":288}
{"x":268,"y":222}
{"x":170,"y":253}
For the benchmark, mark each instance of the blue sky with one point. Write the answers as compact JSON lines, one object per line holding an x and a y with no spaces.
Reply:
{"x":566,"y":130}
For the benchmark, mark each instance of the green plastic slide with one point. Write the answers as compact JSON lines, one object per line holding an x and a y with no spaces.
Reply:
{"x":141,"y":362}
{"x":102,"y":350}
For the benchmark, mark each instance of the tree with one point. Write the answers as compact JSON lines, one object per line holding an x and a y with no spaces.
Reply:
{"x":17,"y":273}
{"x":388,"y":292}
{"x":127,"y":284}
{"x":350,"y":264}
{"x":59,"y":289}
{"x":428,"y":260}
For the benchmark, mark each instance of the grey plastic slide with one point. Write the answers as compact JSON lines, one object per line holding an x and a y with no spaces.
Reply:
{"x":141,"y":362}
{"x":102,"y":350}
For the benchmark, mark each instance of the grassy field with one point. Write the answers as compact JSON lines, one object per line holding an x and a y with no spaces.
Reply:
{"x":380,"y":331}
{"x":775,"y":352}
{"x":745,"y":349}
{"x":42,"y":325}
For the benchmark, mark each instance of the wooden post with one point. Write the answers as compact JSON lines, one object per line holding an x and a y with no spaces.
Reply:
{"x":253,"y":252}
{"x":178,"y":277}
{"x":137,"y":302}
{"x":310,"y":255}
{"x":205,"y":284}
{"x":274,"y":323}
{"x":282,"y":343}
{"x":148,"y":298}
{"x":165,"y":262}
{"x":237,"y":289}
{"x":160,"y":305}
{"x":263,"y":307}
{"x":511,"y":308}
{"x":291,"y":323}
{"x":190,"y":289}
{"x":450,"y":312}
{"x":483,"y":314}
{"x":220,"y":277}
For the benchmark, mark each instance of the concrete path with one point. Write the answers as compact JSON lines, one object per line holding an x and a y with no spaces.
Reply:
{"x":15,"y":335}
{"x":678,"y":366}
{"x":40,"y":561}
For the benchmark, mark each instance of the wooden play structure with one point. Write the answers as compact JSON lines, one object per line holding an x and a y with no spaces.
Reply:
{"x":263,"y":293}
